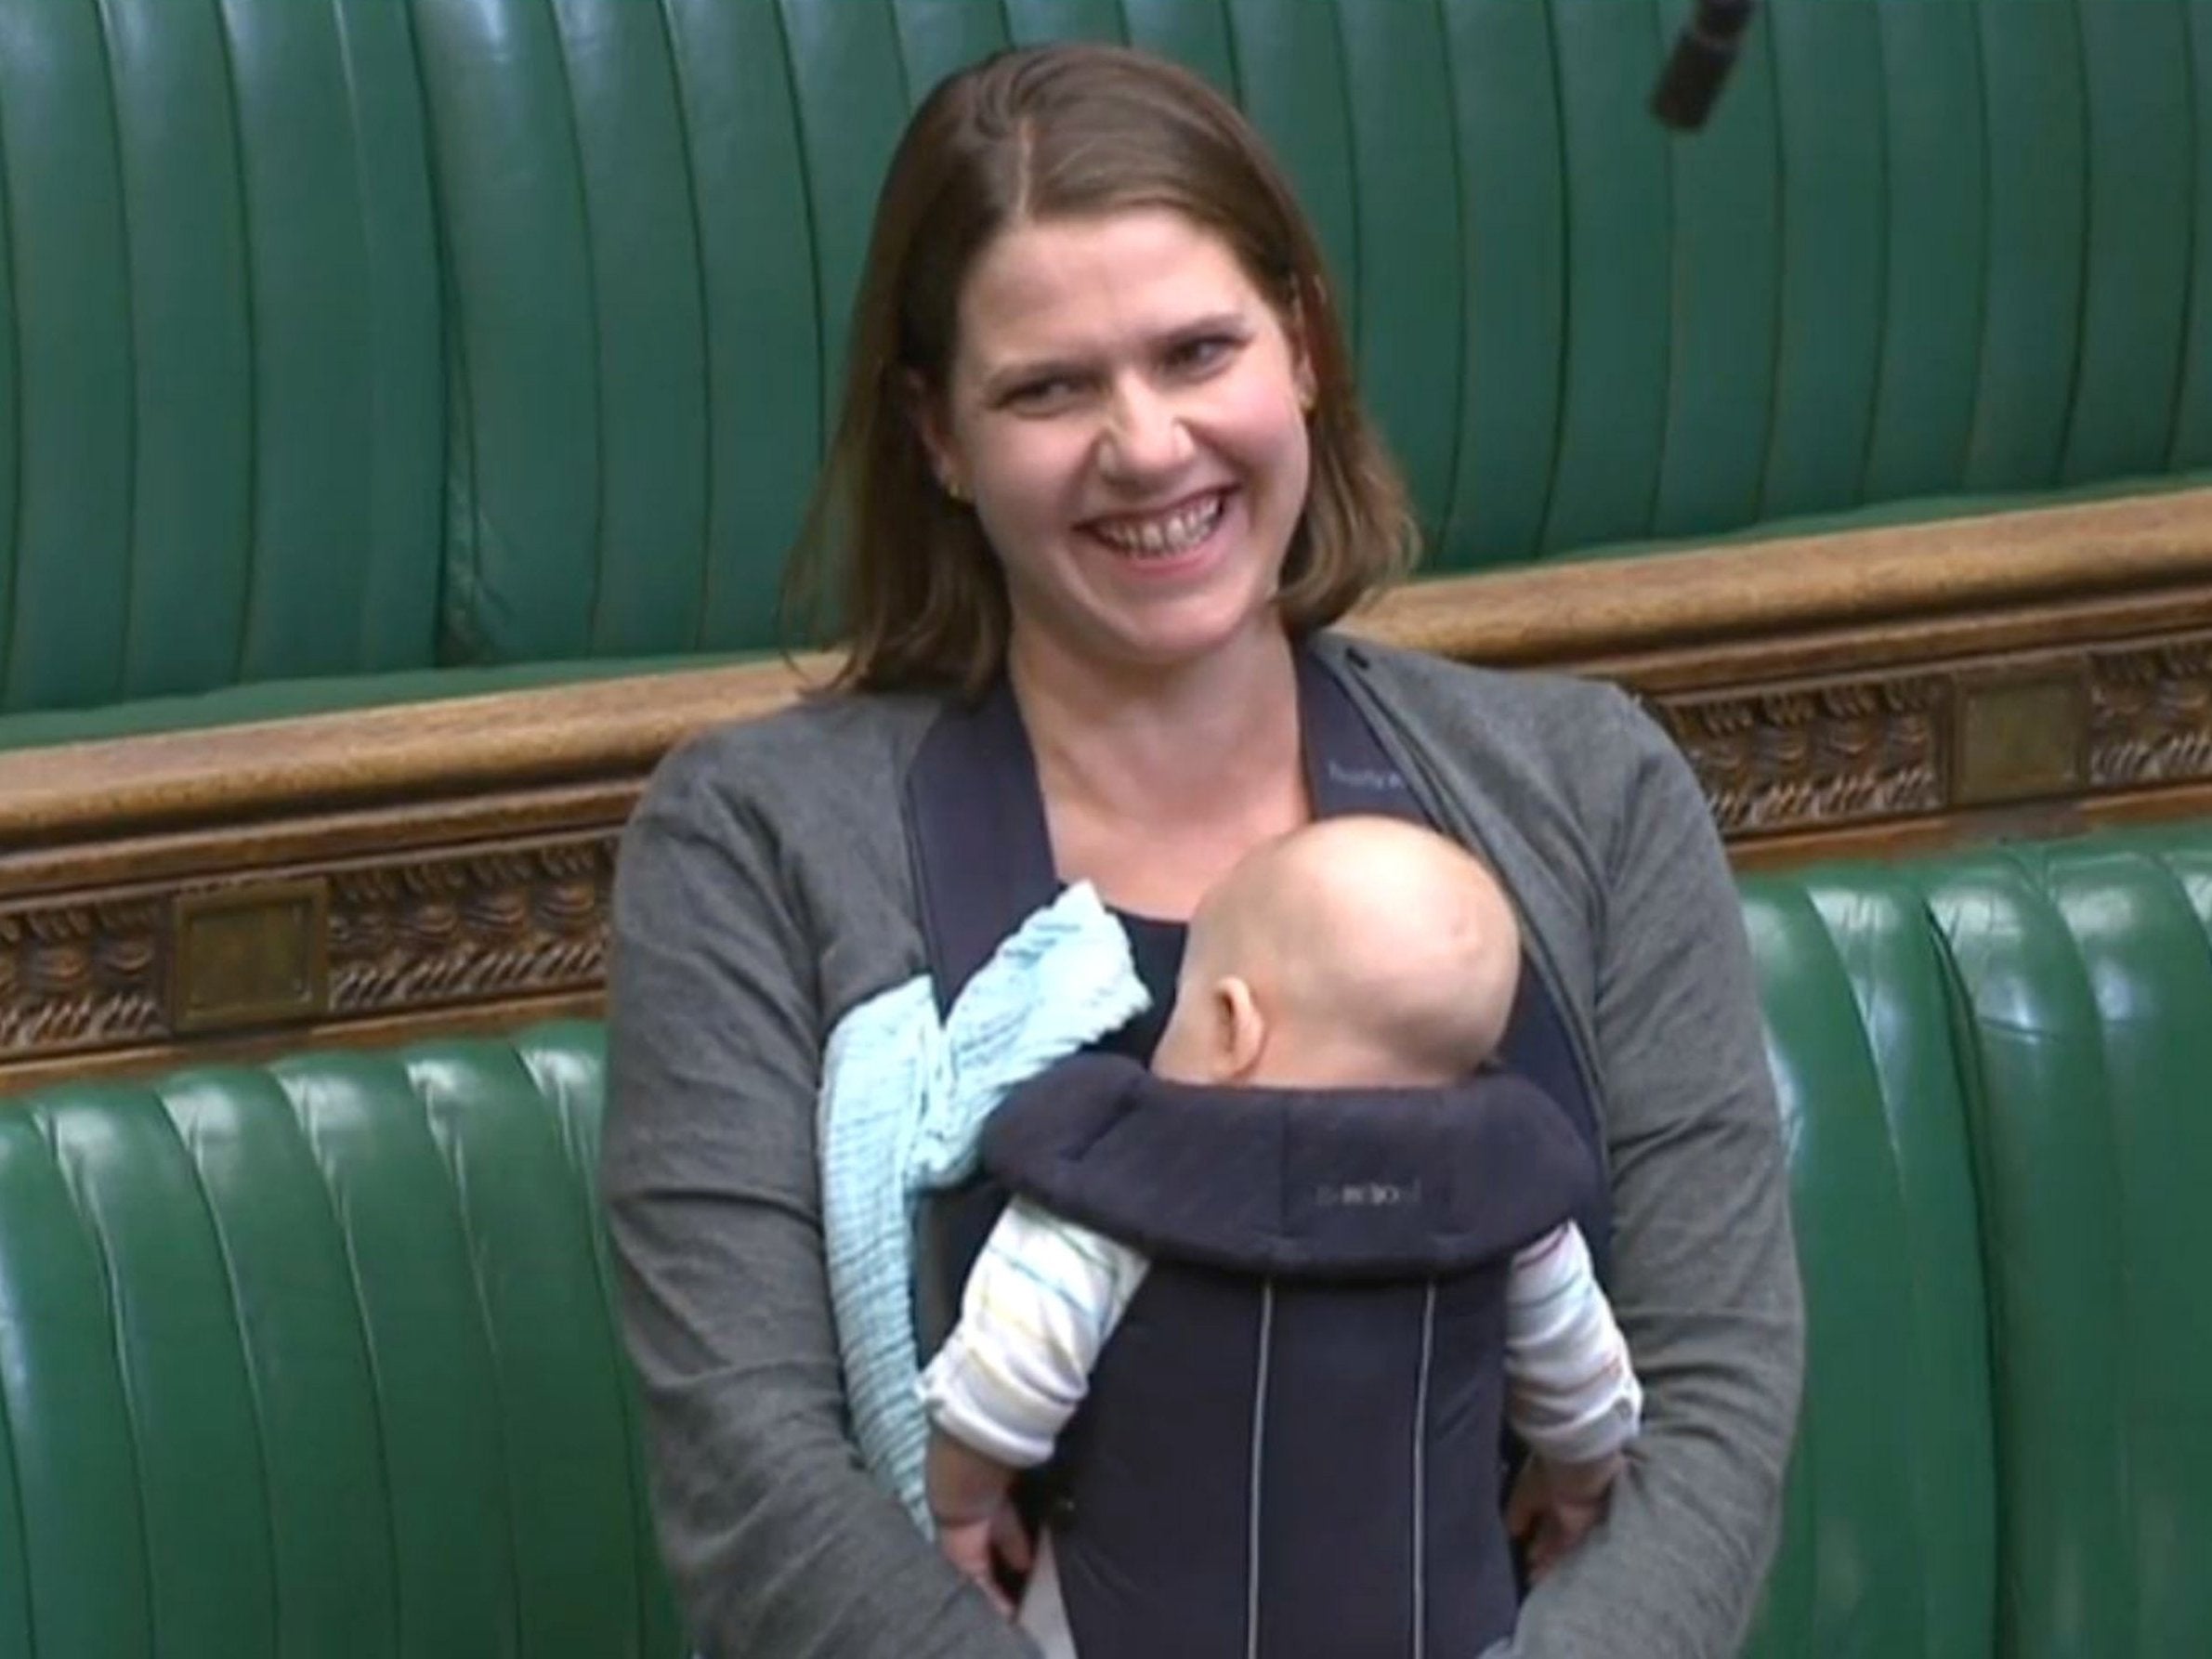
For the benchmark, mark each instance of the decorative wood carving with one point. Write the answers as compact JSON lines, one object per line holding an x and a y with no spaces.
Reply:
{"x":2150,"y":714}
{"x":366,"y":940}
{"x":1834,"y":753}
{"x":1921,"y":742}
{"x":77,"y":975}
{"x":400,"y":871}
{"x":429,"y":932}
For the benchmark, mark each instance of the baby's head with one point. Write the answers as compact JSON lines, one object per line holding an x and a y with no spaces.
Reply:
{"x":1355,"y":951}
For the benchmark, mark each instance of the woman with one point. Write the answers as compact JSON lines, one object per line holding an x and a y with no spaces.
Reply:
{"x":1104,"y":481}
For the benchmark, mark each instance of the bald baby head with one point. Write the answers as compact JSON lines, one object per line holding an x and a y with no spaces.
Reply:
{"x":1352,"y":951}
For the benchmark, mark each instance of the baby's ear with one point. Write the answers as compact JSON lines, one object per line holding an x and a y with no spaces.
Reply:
{"x":1239,"y":1029}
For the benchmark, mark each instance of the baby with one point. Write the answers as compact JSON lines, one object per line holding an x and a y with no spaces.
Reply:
{"x":1357,"y":956}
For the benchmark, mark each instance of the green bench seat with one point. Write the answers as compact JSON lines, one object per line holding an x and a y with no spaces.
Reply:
{"x":316,"y":1357}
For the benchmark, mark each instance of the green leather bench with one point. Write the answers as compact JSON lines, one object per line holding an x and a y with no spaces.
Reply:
{"x":1995,"y":1072}
{"x":315,"y":1358}
{"x":372,"y":350}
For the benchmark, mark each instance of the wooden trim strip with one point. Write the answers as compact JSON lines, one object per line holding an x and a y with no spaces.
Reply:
{"x":1583,"y":610}
{"x":1567,"y":614}
{"x":567,"y":734}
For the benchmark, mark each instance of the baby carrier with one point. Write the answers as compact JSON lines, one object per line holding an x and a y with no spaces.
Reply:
{"x":1292,"y":1444}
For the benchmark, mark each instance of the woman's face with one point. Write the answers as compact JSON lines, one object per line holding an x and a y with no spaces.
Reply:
{"x":1127,"y":413}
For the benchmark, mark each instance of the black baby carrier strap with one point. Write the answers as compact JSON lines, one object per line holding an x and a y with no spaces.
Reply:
{"x":1349,"y":771}
{"x":983,"y":863}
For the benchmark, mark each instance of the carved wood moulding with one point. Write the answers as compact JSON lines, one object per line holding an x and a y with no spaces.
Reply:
{"x":363,"y":942}
{"x":1842,"y":753}
{"x":396,"y":871}
{"x":2150,"y":714}
{"x":1836,"y":753}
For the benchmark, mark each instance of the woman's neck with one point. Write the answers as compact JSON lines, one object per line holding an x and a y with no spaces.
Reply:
{"x":1160,"y":742}
{"x":1154,"y":789}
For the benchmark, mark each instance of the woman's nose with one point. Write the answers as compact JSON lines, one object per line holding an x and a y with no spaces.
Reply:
{"x":1144,"y":436}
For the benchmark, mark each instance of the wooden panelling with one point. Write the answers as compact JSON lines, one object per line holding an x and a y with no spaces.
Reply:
{"x":357,"y":877}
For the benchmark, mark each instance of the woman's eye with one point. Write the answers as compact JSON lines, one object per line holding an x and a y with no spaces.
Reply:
{"x":1208,"y":351}
{"x":1038,"y":397}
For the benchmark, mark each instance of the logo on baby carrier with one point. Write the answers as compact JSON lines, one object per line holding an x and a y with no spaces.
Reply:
{"x":1367,"y":1194}
{"x":1375,"y":780}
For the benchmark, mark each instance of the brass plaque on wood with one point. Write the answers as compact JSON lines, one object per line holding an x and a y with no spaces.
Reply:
{"x":2017,"y":737}
{"x":249,"y":956}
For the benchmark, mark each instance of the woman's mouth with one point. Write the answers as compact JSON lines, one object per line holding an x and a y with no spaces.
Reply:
{"x":1158,"y":537}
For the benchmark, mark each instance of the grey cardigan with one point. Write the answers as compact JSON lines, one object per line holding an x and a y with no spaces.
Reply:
{"x":764,"y":889}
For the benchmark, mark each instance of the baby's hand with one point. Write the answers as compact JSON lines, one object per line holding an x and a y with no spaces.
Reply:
{"x":967,"y":1545}
{"x":980,"y":1549}
{"x":1554,"y":1507}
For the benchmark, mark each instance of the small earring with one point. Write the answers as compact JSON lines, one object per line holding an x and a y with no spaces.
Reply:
{"x":951,"y":487}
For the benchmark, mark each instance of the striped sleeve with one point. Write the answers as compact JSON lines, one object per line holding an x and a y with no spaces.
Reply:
{"x":1041,"y":1301}
{"x":1571,"y":1393}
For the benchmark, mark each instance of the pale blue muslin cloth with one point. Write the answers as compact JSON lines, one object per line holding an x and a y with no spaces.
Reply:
{"x":904,"y":1099}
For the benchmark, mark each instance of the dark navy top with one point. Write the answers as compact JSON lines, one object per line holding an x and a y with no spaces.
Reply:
{"x":1155,"y":948}
{"x":983,"y":863}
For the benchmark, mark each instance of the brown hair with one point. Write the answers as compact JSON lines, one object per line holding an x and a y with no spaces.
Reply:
{"x":1045,"y":132}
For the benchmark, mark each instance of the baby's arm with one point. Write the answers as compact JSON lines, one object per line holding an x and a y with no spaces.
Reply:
{"x":1039,"y":1303}
{"x":1571,"y":1393}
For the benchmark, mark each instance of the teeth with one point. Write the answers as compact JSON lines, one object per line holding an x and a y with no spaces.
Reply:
{"x":1175,"y":533}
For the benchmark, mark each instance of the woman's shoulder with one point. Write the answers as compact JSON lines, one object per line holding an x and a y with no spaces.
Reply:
{"x":825,"y":752}
{"x":1539,"y":717}
{"x":1569,"y":780}
{"x":789,"y":826}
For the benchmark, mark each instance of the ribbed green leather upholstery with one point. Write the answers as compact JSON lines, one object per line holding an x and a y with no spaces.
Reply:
{"x":339,"y":336}
{"x":1889,"y":1547}
{"x":317,"y":1360}
{"x":1993,"y":1071}
{"x":2086,"y":977}
{"x":1899,"y":265}
{"x":222,"y":435}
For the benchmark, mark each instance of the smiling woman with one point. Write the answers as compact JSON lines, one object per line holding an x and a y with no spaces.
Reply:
{"x":1017,"y":275}
{"x":1101,"y":484}
{"x":1127,"y":413}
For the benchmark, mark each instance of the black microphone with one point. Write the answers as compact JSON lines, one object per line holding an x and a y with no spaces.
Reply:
{"x":1703,"y":53}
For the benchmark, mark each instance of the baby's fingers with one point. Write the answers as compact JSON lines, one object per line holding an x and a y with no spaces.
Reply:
{"x":1526,"y":1504}
{"x":1010,"y":1540}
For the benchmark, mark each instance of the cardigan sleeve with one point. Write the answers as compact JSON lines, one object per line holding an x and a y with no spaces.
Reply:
{"x":1704,"y":1274}
{"x":778,"y":1545}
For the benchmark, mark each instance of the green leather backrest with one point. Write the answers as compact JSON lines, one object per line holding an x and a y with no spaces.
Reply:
{"x":318,"y":1359}
{"x":1923,"y":248}
{"x":2086,"y":981}
{"x":365,"y":333}
{"x":222,"y":394}
{"x":1890,"y":1541}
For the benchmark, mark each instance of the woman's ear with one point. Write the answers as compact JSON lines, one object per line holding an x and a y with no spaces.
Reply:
{"x":925,"y":411}
{"x":1302,"y":355}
